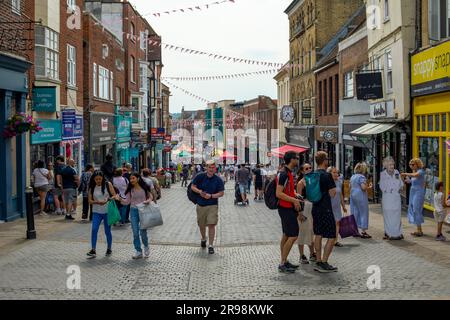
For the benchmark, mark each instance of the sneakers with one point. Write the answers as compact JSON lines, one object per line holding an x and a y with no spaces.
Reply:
{"x":283,"y":268}
{"x":324,"y":267}
{"x":440,"y":238}
{"x":146,"y":252}
{"x":313,"y":258}
{"x":292,"y":266}
{"x":338,"y":244}
{"x":69,"y":217}
{"x":108,"y":252}
{"x":91,"y":254}
{"x":304,"y":260}
{"x":203,"y":243}
{"x":211,"y":250}
{"x":137,"y":255}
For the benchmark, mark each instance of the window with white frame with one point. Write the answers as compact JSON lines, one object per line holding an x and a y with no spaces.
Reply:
{"x":111,"y":86}
{"x":143,"y":40}
{"x":95,"y":80}
{"x":386,"y":10}
{"x":132,"y":72}
{"x":144,"y":120}
{"x":136,"y":117}
{"x":71,"y":65}
{"x":438,"y":19}
{"x":143,"y":77}
{"x":132,"y":31}
{"x":389,"y":82}
{"x":348,"y":84}
{"x":47,"y":53}
{"x":103,"y":83}
{"x":71,"y":4}
{"x":15,"y":6}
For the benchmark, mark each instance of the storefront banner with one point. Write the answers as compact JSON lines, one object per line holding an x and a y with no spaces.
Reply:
{"x":430,"y":70}
{"x":369,"y":86}
{"x":158,"y":133}
{"x":44,"y":99}
{"x":50,"y":133}
{"x":124,"y":127}
{"x":78,"y":129}
{"x":103,"y":129}
{"x":68,"y":123}
{"x":122,"y":145}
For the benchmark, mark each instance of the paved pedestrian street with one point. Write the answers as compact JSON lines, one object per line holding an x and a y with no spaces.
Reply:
{"x":244,"y":266}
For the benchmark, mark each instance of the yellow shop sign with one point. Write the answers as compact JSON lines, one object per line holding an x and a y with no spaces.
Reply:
{"x":430,"y":70}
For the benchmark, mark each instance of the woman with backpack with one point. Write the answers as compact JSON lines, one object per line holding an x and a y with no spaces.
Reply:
{"x":100,"y":192}
{"x":306,"y":234}
{"x":137,"y":193}
{"x":359,"y":202}
{"x":41,"y":177}
{"x":337,"y":201}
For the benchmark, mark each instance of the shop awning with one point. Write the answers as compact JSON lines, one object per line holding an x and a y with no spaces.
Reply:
{"x":280,"y":152}
{"x":372,"y":129}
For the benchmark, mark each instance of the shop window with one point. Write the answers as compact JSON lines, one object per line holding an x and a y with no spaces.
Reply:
{"x":444,"y":162}
{"x":424,"y":125}
{"x":437,"y":123}
{"x":418,"y":123}
{"x":429,"y":154}
{"x":430,"y":122}
{"x":444,"y":122}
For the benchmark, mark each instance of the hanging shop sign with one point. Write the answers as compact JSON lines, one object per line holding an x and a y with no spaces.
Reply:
{"x":44,"y":99}
{"x":50,"y":133}
{"x":369,"y":85}
{"x":72,"y":125}
{"x":124,"y":124}
{"x":430,"y":72}
{"x":384,"y":109}
{"x":78,"y":129}
{"x":158,"y":133}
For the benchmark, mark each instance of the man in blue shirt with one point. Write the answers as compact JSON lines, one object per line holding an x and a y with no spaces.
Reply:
{"x":210,"y":188}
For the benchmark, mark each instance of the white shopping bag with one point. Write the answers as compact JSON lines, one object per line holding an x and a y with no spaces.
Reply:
{"x":149,"y":216}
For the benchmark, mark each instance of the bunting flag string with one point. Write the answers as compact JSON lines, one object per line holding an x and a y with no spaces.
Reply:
{"x":194,"y":8}
{"x":222,"y":77}
{"x":186,"y":92}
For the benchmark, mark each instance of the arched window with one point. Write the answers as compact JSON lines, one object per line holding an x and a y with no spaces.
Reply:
{"x":310,"y":64}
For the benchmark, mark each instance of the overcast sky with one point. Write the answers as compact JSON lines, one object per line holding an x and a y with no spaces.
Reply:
{"x":250,"y":29}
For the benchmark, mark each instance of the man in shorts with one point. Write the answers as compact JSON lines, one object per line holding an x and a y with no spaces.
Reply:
{"x":242,"y":177}
{"x":209,"y":188}
{"x":70,"y":182}
{"x":324,"y":224}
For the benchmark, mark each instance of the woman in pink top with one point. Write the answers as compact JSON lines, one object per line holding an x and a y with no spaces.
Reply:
{"x":137,"y":192}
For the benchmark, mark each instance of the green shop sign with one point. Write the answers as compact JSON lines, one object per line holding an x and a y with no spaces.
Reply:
{"x":51,"y":132}
{"x":123,"y":127}
{"x":44,"y":99}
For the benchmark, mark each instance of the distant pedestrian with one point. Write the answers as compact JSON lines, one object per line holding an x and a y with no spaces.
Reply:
{"x":210,"y":188}
{"x":52,"y":188}
{"x":185,"y":174}
{"x":337,"y":201}
{"x":391,"y":185}
{"x":306,"y":231}
{"x":416,"y":194}
{"x":242,"y":178}
{"x":146,"y":176}
{"x":138,"y":193}
{"x":108,"y":168}
{"x":100,"y":192}
{"x":439,"y":211}
{"x":84,"y":189}
{"x":120,"y":184}
{"x":258,"y":181}
{"x":41,"y":177}
{"x":359,"y":202}
{"x":70,"y":182}
{"x":288,"y":210}
{"x":59,"y":167}
{"x":324,"y":224}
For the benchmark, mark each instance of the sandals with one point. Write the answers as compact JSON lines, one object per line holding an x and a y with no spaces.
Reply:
{"x":365,"y":235}
{"x":417,"y":234}
{"x":386,"y":237}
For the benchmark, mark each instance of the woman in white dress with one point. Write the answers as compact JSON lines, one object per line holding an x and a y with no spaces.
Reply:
{"x":391,"y":185}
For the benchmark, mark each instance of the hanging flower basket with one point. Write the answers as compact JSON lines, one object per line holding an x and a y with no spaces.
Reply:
{"x":20,"y":123}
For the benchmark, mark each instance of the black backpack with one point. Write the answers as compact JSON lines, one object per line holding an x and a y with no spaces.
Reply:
{"x":193,"y":196}
{"x":270,"y":194}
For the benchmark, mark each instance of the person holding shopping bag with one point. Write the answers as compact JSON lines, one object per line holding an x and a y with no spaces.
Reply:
{"x":137,"y":193}
{"x":337,"y":202}
{"x":359,"y":203}
{"x":100,"y":192}
{"x":391,"y":185}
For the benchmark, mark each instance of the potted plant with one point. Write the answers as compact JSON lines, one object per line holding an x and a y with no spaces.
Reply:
{"x":20,"y":123}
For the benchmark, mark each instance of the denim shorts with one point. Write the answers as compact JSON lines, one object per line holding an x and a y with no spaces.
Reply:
{"x":243,"y":188}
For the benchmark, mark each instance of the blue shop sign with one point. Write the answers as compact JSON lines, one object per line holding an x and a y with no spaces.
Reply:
{"x":44,"y":99}
{"x":78,"y":130}
{"x":72,"y":125}
{"x":51,"y":132}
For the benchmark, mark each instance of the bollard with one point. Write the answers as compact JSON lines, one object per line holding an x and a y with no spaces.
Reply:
{"x":31,"y":233}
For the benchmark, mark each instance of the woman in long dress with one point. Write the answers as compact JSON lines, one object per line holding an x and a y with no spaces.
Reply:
{"x":416,"y":194}
{"x":337,"y":202}
{"x":391,"y":184}
{"x":359,"y":202}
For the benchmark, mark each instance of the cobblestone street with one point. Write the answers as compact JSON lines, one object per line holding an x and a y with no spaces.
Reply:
{"x":244,"y":266}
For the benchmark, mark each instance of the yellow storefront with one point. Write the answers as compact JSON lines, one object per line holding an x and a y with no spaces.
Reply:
{"x":430,"y":83}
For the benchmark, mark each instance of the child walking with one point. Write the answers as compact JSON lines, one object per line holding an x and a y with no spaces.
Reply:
{"x":439,"y":211}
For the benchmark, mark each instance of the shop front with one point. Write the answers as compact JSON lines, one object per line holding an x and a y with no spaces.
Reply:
{"x":431,"y":111}
{"x":327,"y":139}
{"x":13,"y":168}
{"x":303,"y":138}
{"x":354,"y":150}
{"x":45,"y":145}
{"x":123,"y":140}
{"x":102,"y":137}
{"x":72,"y":137}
